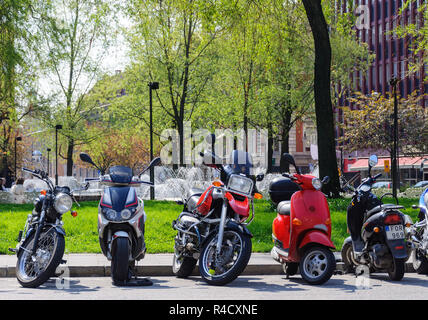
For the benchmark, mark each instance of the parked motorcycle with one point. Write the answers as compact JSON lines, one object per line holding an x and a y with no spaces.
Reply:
{"x":302,"y":230}
{"x":41,"y":243}
{"x":213,"y":224}
{"x":121,"y":221}
{"x":417,"y":235}
{"x":377,"y":231}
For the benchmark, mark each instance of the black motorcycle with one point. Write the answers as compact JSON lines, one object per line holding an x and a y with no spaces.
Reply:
{"x":377,"y":232}
{"x":41,"y":244}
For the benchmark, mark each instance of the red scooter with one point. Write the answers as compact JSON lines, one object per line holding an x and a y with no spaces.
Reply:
{"x":301,"y":231}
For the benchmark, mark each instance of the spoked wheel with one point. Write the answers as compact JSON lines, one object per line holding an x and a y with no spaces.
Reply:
{"x":182,"y":266}
{"x":34,"y":270}
{"x":230,"y":263}
{"x":420,"y":261}
{"x":317,"y":265}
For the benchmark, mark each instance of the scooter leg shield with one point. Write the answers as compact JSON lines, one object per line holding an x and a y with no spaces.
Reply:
{"x":355,"y":219}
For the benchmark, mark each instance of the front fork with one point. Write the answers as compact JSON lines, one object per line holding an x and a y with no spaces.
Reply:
{"x":221,"y":226}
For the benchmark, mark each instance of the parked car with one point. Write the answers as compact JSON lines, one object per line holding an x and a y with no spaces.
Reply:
{"x":420,"y":184}
{"x":384,"y":184}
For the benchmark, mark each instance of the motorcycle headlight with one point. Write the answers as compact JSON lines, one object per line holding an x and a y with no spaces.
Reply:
{"x":63,"y":203}
{"x":316,"y":183}
{"x":110,"y":214}
{"x":240,"y":184}
{"x":126,"y":214}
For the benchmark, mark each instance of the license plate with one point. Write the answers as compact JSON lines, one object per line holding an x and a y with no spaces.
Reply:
{"x":394,"y":232}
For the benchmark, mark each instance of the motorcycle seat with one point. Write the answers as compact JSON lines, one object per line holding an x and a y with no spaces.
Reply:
{"x":284,"y":208}
{"x":384,"y":207}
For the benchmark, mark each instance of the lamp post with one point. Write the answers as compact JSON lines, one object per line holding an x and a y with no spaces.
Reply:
{"x":395,"y":169}
{"x":48,"y":150}
{"x":152,"y":86}
{"x":16,"y":139}
{"x":57,"y":127}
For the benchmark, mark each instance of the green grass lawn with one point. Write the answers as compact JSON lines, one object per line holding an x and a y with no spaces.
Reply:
{"x":82,"y":235}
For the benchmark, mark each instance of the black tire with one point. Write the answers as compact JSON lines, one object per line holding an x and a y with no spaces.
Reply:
{"x":396,"y":272}
{"x":420,"y":262}
{"x":347,"y":258}
{"x":183,"y":267}
{"x":239,"y":264}
{"x":54,"y":260}
{"x":120,"y":260}
{"x":317,"y":265}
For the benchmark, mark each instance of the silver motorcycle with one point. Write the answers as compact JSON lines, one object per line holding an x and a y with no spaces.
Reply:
{"x":417,"y":235}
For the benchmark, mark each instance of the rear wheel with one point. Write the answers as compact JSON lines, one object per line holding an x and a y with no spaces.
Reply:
{"x":317,"y":265}
{"x":120,"y":260}
{"x":182,"y":266}
{"x":396,"y":272}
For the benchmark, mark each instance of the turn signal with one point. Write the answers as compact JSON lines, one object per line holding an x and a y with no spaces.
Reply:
{"x":43,"y":192}
{"x":297,"y":222}
{"x":74,"y":213}
{"x":258,"y":196}
{"x":376,"y":229}
{"x":217,"y":183}
{"x":328,"y":221}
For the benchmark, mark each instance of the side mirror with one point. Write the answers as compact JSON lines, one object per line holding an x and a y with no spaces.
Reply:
{"x":86,"y":158}
{"x":155,"y":162}
{"x":260,"y":177}
{"x":373,"y":160}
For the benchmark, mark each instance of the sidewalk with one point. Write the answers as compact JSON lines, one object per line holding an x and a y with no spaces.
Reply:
{"x":96,"y":265}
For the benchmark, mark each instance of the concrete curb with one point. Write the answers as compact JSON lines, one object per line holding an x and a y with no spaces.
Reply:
{"x":163,"y":270}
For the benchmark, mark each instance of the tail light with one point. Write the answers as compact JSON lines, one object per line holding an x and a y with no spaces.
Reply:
{"x":392,"y":219}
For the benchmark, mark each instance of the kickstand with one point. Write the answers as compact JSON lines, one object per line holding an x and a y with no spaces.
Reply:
{"x":133,"y":280}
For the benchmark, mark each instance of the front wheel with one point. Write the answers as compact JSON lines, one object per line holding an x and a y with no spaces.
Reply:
{"x":120,"y":260}
{"x":396,"y":272}
{"x":34,"y":270}
{"x":317,"y":265}
{"x":220,"y":269}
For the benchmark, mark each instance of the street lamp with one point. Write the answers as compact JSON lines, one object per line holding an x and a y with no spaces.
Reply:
{"x":395,"y":155}
{"x":16,"y":139}
{"x":48,"y":150}
{"x":57,"y":127}
{"x":152,"y":86}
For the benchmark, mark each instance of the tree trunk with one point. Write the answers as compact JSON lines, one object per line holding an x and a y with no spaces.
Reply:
{"x":322,"y":94}
{"x":70,"y":149}
{"x":285,"y":144}
{"x":269,"y":148}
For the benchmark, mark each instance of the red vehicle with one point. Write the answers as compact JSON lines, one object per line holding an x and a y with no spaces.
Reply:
{"x":302,"y":230}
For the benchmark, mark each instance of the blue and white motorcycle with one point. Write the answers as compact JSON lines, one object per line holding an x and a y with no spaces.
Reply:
{"x":417,"y":235}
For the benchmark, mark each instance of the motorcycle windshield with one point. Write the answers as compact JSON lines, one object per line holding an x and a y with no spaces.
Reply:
{"x":241,"y":162}
{"x":120,"y":174}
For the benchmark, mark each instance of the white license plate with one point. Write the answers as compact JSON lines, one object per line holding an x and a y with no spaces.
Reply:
{"x":394,"y":232}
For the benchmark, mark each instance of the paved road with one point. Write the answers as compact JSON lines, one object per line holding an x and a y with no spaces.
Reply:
{"x":271,"y":287}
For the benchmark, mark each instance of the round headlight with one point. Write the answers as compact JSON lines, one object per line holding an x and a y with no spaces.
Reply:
{"x":126,"y":214}
{"x":316,"y":183}
{"x":63,"y":203}
{"x":111,"y":214}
